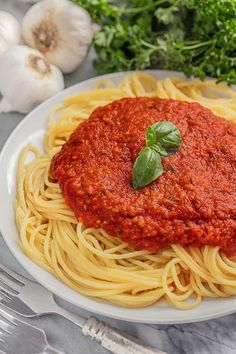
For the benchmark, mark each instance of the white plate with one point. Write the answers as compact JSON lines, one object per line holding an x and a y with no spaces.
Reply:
{"x":31,"y":129}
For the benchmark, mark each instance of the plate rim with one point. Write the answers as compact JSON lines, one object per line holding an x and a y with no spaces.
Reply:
{"x":23,"y":259}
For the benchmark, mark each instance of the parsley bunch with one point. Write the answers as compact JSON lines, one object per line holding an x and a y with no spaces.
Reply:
{"x":197,"y":37}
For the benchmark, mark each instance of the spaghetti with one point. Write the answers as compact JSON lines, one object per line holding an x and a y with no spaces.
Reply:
{"x":88,"y":259}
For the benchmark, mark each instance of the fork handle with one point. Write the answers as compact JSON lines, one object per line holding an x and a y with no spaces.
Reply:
{"x":114,"y":341}
{"x":106,"y":336}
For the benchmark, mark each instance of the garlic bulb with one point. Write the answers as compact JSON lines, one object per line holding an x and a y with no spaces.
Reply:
{"x":26,"y":79}
{"x":9,"y":31}
{"x":59,"y":29}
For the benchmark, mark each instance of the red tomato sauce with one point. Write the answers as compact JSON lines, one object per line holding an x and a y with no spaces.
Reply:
{"x":192,"y":203}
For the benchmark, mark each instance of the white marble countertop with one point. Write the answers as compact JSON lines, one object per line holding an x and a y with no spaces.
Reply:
{"x":214,"y":337}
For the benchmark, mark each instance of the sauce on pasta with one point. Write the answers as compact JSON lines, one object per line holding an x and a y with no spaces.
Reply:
{"x":192,"y":203}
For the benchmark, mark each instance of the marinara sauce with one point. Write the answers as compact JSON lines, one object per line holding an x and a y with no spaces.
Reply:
{"x":192,"y":203}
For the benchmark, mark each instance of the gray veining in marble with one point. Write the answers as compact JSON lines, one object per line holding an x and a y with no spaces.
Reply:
{"x":213,"y":337}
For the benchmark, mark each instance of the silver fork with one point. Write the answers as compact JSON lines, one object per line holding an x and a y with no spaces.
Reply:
{"x":31,"y":299}
{"x":17,"y":336}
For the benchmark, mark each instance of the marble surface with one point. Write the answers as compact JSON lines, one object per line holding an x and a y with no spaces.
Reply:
{"x":216,"y":336}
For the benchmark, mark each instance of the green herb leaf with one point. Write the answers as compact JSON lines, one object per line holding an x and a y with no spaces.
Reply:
{"x":193,"y":36}
{"x":167,"y":136}
{"x":166,"y":15}
{"x":147,"y":168}
{"x":164,"y":137}
{"x":160,"y":150}
{"x":162,"y":140}
{"x":151,"y":136}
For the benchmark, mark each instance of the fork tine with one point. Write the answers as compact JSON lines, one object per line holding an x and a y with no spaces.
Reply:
{"x":15,"y":277}
{"x":7,"y":286}
{"x":4,"y":295}
{"x":5,"y":325}
{"x":7,"y":315}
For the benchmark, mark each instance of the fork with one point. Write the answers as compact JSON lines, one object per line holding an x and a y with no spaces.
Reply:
{"x":13,"y":330}
{"x":31,"y":299}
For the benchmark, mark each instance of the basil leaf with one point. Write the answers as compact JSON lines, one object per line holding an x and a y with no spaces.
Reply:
{"x":162,"y":139}
{"x":167,"y":135}
{"x":147,"y":168}
{"x":151,"y":136}
{"x":160,"y":150}
{"x":164,"y":134}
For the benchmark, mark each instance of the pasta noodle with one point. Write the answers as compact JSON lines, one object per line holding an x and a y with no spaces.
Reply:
{"x":88,"y":259}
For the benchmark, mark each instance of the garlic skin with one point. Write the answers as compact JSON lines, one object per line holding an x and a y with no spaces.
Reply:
{"x":10,"y":31}
{"x":59,"y":29}
{"x":26,"y":79}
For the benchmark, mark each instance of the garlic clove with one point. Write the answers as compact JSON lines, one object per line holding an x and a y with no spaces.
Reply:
{"x":61,"y":30}
{"x":5,"y":107}
{"x":27,"y":79}
{"x":10,"y":32}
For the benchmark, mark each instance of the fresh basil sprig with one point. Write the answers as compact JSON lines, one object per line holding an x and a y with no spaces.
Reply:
{"x":162,"y":139}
